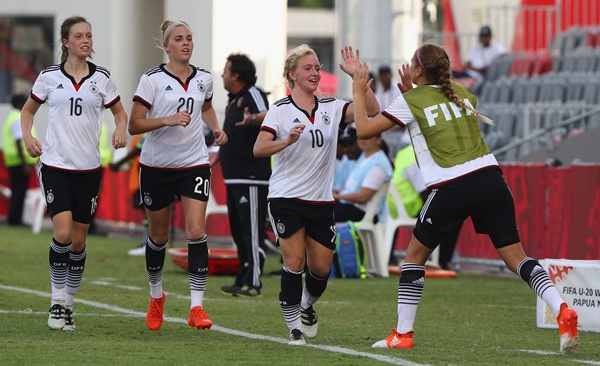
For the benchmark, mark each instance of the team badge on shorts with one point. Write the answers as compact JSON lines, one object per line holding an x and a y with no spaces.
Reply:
{"x":147,"y":199}
{"x":326,"y":119}
{"x":49,"y":197}
{"x":201,"y":87}
{"x":280,"y":228}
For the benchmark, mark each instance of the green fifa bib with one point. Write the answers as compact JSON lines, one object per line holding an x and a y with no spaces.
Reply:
{"x":452,"y":133}
{"x":10,"y":148}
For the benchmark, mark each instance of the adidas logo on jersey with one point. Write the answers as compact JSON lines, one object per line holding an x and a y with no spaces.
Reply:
{"x":296,"y":121}
{"x":168,"y":88}
{"x":60,"y":86}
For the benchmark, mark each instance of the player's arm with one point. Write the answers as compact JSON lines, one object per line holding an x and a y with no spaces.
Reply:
{"x":119,"y":137}
{"x":251,"y":119}
{"x":350,"y":66}
{"x":139,"y":123}
{"x":267,"y":145}
{"x":32,"y":145}
{"x":362,"y":196}
{"x":210,"y":118}
{"x":366,"y":127}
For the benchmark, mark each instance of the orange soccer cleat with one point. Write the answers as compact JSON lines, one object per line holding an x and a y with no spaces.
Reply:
{"x":396,"y":340}
{"x":567,"y":329}
{"x":199,"y":319}
{"x":154,"y":317}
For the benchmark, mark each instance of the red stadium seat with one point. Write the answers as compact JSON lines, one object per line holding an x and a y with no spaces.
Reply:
{"x":542,"y":64}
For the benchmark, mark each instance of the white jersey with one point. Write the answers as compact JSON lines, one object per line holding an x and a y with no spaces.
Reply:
{"x":74,"y":115}
{"x":164,"y":95}
{"x":305,"y":169}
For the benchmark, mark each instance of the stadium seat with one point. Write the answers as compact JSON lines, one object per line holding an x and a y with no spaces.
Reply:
{"x":499,"y":67}
{"x":542,"y":64}
{"x":522,"y":65}
{"x":519,"y":88}
{"x":532,"y":89}
{"x":505,"y":85}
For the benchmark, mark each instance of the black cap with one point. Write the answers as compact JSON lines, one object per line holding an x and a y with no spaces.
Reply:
{"x":348,"y":136}
{"x":384,"y":69}
{"x":18,"y":100}
{"x":485,"y":31}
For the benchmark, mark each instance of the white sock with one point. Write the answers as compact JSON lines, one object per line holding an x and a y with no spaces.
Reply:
{"x":197,"y":298}
{"x":69,"y":300}
{"x":406,"y":318}
{"x":156,"y":290}
{"x":58,"y":295}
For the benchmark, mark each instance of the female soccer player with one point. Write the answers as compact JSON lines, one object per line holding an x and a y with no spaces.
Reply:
{"x":77,"y":92}
{"x":301,"y":132}
{"x":171,"y":104}
{"x":463,"y":178}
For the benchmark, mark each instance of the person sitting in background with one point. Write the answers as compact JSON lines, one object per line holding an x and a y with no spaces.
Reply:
{"x":480,"y":59}
{"x":372,"y":170}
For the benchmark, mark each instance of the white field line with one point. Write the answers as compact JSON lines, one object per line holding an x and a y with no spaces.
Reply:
{"x":109,"y":282}
{"x":31,"y":312}
{"x":123,"y":287}
{"x":551,"y":353}
{"x":118,"y":309}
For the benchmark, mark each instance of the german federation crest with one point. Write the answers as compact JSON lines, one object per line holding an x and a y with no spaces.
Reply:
{"x":280,"y":228}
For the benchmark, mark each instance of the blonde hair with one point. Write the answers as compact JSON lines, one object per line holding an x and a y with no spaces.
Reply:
{"x":166,"y":27}
{"x":291,"y":62}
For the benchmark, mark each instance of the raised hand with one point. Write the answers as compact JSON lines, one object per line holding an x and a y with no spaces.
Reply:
{"x":361,"y":82}
{"x":351,"y":61}
{"x":405,"y":83}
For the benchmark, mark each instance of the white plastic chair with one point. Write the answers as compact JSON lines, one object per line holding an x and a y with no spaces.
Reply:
{"x":34,"y":209}
{"x":373,"y":235}
{"x":379,"y":238}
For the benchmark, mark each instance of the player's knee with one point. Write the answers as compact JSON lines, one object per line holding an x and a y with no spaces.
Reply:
{"x":294,"y":263}
{"x":62,"y":235}
{"x":196,"y":231}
